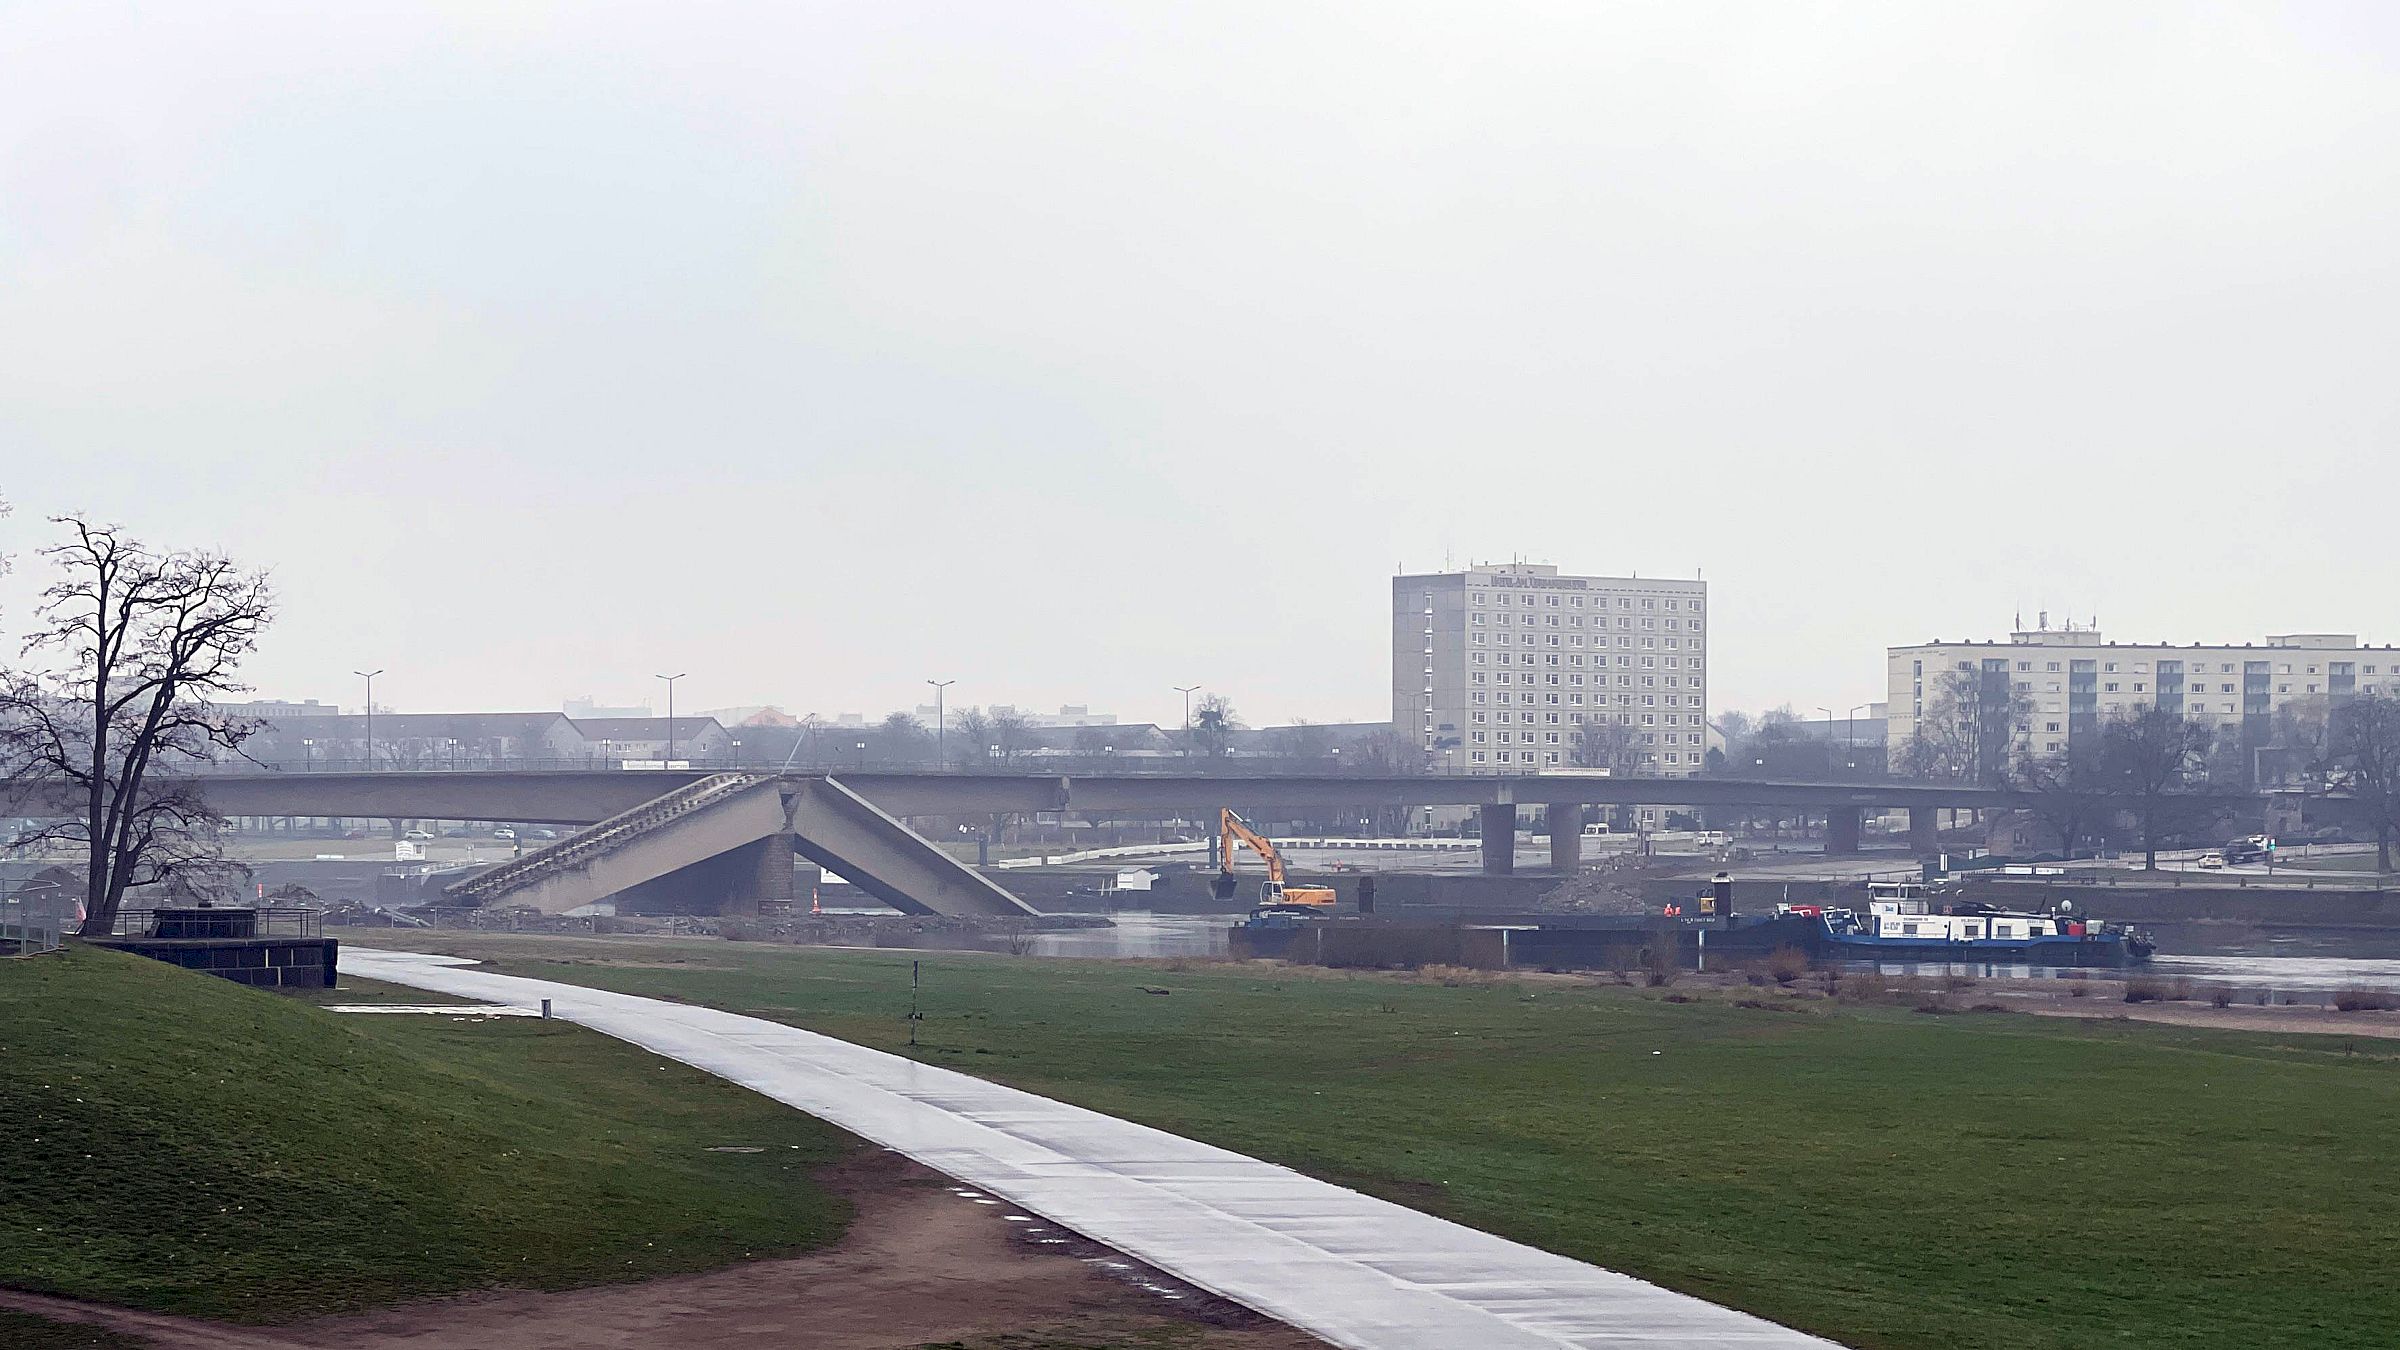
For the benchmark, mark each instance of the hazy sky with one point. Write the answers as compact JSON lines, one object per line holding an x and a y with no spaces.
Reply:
{"x":1080,"y":351}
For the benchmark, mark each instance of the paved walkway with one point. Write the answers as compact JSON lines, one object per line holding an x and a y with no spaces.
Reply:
{"x":1354,"y":1270}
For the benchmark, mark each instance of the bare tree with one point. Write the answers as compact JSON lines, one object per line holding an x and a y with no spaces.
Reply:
{"x":1970,"y":729}
{"x":1605,"y":744}
{"x":2064,"y":791}
{"x":900,"y":734}
{"x":133,"y":648}
{"x":2150,"y":755}
{"x":1013,"y":734}
{"x":1213,"y":725}
{"x":2363,"y":761}
{"x":1304,"y":740}
{"x":975,"y":744}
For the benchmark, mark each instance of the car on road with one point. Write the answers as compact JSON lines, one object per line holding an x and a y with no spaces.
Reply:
{"x":420,"y":836}
{"x":2210,"y":862}
{"x":504,"y":832}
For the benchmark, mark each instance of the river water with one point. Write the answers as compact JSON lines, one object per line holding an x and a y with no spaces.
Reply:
{"x":2303,"y":966}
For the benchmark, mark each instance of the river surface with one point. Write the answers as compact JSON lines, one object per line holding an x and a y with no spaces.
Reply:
{"x":2296,"y":966}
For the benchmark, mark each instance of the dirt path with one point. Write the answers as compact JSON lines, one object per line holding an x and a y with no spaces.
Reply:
{"x":926,"y":1261}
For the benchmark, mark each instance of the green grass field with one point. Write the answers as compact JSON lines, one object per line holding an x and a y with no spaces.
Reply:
{"x":1886,"y":1178}
{"x":178,"y":1143}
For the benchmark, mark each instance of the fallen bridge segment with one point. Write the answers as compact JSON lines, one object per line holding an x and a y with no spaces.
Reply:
{"x":724,"y":844}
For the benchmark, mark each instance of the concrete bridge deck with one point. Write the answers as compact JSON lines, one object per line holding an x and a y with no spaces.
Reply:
{"x":583,"y":796}
{"x":855,"y":822}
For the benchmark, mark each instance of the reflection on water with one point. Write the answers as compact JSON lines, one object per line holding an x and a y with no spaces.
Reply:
{"x":2251,"y":974}
{"x":2281,"y":966}
{"x":1139,"y":933}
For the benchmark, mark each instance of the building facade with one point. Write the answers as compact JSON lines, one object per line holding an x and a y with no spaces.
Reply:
{"x":1494,"y":668}
{"x":2061,"y":684}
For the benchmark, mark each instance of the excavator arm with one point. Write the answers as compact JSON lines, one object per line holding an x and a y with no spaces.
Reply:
{"x":1231,"y":827}
{"x":1274,"y":895}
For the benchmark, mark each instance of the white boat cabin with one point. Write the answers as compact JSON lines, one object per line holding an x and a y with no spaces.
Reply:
{"x":1903,"y":909}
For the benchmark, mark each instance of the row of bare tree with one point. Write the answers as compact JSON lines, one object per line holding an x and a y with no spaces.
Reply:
{"x":2145,"y":762}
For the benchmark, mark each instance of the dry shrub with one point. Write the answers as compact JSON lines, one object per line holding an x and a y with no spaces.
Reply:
{"x":1954,"y":983}
{"x":2181,"y":989}
{"x":2145,"y":991}
{"x":2366,"y":1000}
{"x":2220,"y":997}
{"x":2079,"y":990}
{"x":1868,"y":988}
{"x":1786,"y":964}
{"x":1678,"y":998}
{"x":1658,"y":965}
{"x":1757,"y":976}
{"x":1936,"y":1004}
{"x":1458,"y":977}
{"x":1988,"y":1007}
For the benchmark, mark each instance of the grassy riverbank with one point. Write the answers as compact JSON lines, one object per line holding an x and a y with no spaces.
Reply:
{"x":1887,"y":1178}
{"x":180,"y":1144}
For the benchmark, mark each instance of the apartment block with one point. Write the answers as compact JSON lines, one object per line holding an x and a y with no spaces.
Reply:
{"x":1494,"y":667}
{"x":2075,"y":678}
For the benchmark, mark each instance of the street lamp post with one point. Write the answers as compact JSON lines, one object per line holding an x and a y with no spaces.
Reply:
{"x":1186,"y":691}
{"x":308,"y":749}
{"x":862,"y":756}
{"x":1828,"y":738}
{"x":671,"y":679}
{"x":1850,"y":736}
{"x":941,"y":724}
{"x":369,"y":677}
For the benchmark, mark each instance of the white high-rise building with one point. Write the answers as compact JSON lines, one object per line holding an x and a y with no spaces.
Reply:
{"x":1494,"y":667}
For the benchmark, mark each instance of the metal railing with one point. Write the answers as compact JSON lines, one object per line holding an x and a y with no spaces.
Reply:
{"x":167,"y":922}
{"x":27,"y":927}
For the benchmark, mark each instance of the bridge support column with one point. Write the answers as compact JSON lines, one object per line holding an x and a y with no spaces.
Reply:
{"x":1566,"y":837}
{"x":1924,"y":830}
{"x":1499,"y":840}
{"x":1843,"y":825}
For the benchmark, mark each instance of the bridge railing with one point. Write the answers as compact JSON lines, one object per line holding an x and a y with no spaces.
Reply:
{"x":1236,"y":765}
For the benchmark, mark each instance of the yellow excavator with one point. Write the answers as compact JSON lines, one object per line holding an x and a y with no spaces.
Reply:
{"x":1273,"y":895}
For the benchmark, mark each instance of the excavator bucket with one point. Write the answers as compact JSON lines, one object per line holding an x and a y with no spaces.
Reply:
{"x":1224,"y":886}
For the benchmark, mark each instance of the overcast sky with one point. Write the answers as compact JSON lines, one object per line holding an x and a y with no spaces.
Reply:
{"x":1080,"y":351}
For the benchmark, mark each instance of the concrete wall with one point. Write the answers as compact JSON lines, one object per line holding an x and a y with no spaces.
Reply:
{"x":2257,"y":905}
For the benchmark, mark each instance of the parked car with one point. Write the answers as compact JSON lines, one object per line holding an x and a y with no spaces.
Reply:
{"x":504,"y":832}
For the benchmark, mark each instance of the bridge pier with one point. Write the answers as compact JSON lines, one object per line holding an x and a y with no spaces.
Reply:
{"x":1566,"y":837}
{"x":1499,"y":839}
{"x":1925,"y":831}
{"x":1843,"y":826}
